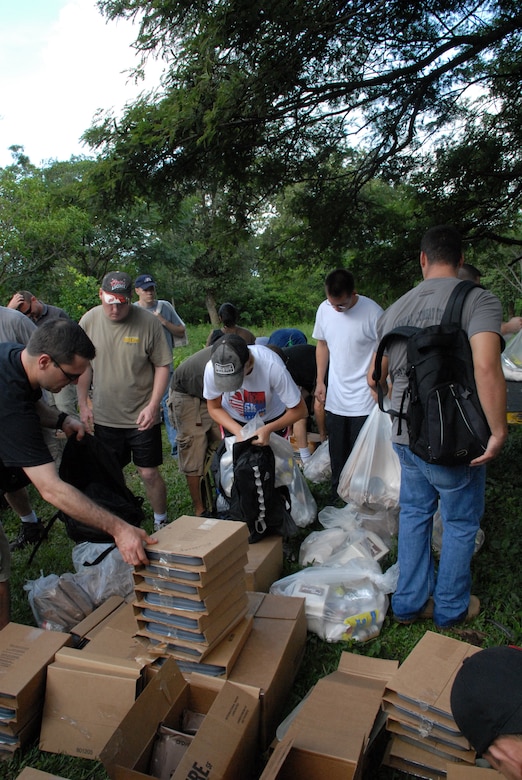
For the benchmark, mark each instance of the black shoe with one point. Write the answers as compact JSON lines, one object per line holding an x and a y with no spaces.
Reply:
{"x":30,"y":533}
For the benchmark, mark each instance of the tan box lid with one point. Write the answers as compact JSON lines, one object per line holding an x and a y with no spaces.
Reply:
{"x":24,"y":652}
{"x":197,"y":543}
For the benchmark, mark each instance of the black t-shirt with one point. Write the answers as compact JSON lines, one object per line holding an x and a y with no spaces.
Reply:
{"x":300,"y":362}
{"x":21,"y":439}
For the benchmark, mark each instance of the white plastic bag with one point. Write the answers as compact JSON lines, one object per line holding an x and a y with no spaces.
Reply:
{"x":110,"y":577}
{"x":371,"y":476}
{"x":318,"y":467}
{"x":303,"y":507}
{"x":345,"y":602}
{"x":383,"y":522}
{"x":335,"y":547}
{"x":512,"y":358}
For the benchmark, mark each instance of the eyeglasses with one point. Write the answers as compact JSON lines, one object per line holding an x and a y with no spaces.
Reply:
{"x":70,"y":377}
{"x":27,"y":312}
{"x":340,"y":306}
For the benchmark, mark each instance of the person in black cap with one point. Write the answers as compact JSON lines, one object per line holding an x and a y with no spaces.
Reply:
{"x":241,"y":381}
{"x":129,"y":377}
{"x":486,"y":702}
{"x":174,"y":330}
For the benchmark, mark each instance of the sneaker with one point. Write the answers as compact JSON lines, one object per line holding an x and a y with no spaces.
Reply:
{"x":472,"y":613}
{"x":160,"y":525}
{"x":30,"y":533}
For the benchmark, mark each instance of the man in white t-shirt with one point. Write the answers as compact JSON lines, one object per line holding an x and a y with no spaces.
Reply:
{"x":241,"y":381}
{"x":345,"y":329}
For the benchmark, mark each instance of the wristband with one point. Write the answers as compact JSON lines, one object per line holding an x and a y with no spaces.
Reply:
{"x":60,"y":421}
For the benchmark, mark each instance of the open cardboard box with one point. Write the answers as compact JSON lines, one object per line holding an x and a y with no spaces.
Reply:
{"x":265,"y":563}
{"x":224,"y":747}
{"x":331,"y":729}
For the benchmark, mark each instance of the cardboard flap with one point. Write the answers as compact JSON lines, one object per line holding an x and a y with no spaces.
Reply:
{"x":97,"y":663}
{"x":360,"y":665}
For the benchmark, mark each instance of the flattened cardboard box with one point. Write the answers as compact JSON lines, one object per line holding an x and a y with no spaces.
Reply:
{"x":225,"y":745}
{"x":87,"y":696}
{"x":197,"y":544}
{"x":265,"y":564}
{"x":25,"y":653}
{"x":407,"y":758}
{"x":81,"y":630}
{"x":422,"y":685}
{"x":172,"y":604}
{"x":331,"y":730}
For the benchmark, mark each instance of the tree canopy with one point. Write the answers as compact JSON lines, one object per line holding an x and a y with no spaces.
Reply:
{"x":258,"y":95}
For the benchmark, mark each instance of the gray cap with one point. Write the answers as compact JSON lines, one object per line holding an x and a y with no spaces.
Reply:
{"x":229,"y":355}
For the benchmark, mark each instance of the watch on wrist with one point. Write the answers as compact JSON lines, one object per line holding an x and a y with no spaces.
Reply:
{"x":60,"y":421}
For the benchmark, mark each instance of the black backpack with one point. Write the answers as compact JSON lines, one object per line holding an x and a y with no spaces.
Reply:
{"x":255,"y":499}
{"x":94,"y":469}
{"x":446,"y":423}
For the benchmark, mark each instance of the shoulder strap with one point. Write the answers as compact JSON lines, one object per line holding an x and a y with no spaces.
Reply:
{"x":453,"y":311}
{"x":404,"y":331}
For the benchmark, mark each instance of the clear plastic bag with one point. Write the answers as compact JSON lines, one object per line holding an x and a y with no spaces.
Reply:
{"x":512,"y":358}
{"x":383,"y":522}
{"x":318,"y":467}
{"x":371,"y":476}
{"x":303,"y":507}
{"x":335,"y":547}
{"x":110,"y":577}
{"x":344,"y":602}
{"x":58,"y":603}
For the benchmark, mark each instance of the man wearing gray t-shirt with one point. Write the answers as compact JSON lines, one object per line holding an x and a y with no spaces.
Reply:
{"x":460,"y":489}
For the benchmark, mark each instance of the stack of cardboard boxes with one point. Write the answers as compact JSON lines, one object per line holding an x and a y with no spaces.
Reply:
{"x":25,"y":654}
{"x":425,"y":738}
{"x":191,"y":598}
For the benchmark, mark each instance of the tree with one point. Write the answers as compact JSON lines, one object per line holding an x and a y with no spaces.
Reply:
{"x":255,"y":95}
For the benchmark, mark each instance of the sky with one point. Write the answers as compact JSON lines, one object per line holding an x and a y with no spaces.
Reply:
{"x":61,"y":61}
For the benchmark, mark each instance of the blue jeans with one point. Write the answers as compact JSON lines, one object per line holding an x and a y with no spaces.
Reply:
{"x":172,"y":433}
{"x":461,"y":491}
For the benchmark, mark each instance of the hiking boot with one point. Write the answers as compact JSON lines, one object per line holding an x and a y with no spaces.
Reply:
{"x":426,"y":613}
{"x":30,"y":533}
{"x":472,"y":613}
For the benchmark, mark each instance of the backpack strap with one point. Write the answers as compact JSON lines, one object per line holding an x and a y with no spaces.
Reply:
{"x":453,"y":311}
{"x":402,"y":332}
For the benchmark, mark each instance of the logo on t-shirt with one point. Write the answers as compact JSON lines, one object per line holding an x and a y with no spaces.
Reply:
{"x":248,"y":403}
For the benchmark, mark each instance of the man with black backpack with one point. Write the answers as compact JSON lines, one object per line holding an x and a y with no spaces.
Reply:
{"x":456,"y":480}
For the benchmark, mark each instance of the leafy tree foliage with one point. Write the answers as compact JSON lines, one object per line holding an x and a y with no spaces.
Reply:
{"x":258,"y":95}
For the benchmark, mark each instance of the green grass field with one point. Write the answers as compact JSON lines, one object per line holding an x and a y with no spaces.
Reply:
{"x":496,"y":576}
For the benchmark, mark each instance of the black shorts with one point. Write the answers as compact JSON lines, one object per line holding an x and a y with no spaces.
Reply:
{"x":12,"y":478}
{"x":144,"y":448}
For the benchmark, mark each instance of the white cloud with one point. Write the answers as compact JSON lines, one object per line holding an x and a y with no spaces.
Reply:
{"x":71,"y":69}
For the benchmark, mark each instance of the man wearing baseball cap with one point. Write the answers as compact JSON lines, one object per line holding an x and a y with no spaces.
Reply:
{"x":241,"y":381}
{"x":174,"y":330}
{"x":129,"y":376}
{"x":486,"y":701}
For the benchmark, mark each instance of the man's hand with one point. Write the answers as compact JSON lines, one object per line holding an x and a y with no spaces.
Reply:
{"x":87,"y":417}
{"x":320,"y":392}
{"x":148,"y":417}
{"x":130,"y":541}
{"x":16,"y":301}
{"x":494,"y":446}
{"x":71,"y":426}
{"x":262,"y":436}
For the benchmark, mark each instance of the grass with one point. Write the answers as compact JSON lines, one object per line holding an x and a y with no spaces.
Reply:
{"x":496,"y":581}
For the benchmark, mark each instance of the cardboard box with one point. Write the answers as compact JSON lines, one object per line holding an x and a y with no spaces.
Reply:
{"x":87,"y":696}
{"x":156,"y":578}
{"x":225,"y":745}
{"x":164,"y":601}
{"x":330,"y":732}
{"x":414,"y":761}
{"x":36,"y":774}
{"x":427,"y":741}
{"x":272,"y":655}
{"x":421,"y":687}
{"x":81,"y":631}
{"x":459,"y":772}
{"x":25,"y":653}
{"x":265,"y":564}
{"x":196,"y":544}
